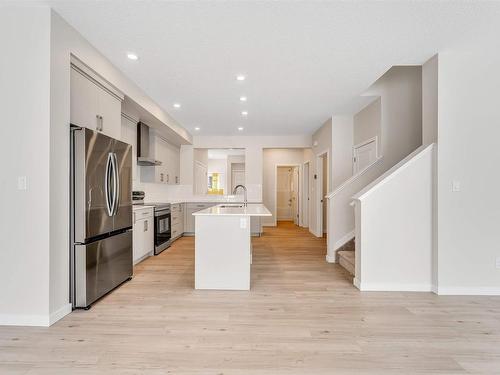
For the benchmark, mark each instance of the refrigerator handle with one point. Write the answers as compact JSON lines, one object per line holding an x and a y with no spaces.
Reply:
{"x":109,"y":206}
{"x":116,"y":183}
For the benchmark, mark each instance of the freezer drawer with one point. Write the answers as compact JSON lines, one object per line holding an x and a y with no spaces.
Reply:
{"x":101,"y":266}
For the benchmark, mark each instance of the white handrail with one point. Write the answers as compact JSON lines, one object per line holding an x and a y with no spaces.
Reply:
{"x":394,"y":170}
{"x":353,"y":178}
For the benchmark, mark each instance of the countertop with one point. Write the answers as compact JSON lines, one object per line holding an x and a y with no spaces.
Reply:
{"x":253,"y":209}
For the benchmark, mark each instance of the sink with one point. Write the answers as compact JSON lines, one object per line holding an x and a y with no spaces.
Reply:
{"x":231,"y":206}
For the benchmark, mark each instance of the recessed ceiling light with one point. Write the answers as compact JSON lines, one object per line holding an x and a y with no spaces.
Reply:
{"x":132,"y":56}
{"x":244,"y":113}
{"x":243,"y":98}
{"x":177,"y":105}
{"x":240,"y":77}
{"x":197,"y":128}
{"x":240,"y":128}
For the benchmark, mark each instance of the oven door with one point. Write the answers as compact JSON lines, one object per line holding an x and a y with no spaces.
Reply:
{"x":162,"y":231}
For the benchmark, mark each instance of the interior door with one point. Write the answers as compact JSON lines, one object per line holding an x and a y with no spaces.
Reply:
{"x":364,"y":155}
{"x":92,"y":153}
{"x":295,"y":195}
{"x":283,"y":193}
{"x":123,"y":209}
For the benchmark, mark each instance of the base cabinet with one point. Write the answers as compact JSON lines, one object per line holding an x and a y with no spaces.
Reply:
{"x":177,"y":216}
{"x":143,"y":234}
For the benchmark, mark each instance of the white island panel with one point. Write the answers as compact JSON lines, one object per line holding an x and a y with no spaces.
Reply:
{"x":223,"y":252}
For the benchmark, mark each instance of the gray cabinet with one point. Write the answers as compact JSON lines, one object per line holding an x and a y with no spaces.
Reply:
{"x":169,"y":155}
{"x":189,"y":222}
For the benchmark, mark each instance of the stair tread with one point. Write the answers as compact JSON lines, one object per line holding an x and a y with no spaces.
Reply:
{"x":347,"y":255}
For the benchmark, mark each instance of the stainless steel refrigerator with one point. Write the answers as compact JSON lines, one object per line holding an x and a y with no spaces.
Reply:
{"x":101,"y":215}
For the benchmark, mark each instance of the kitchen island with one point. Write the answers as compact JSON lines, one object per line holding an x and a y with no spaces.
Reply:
{"x":223,"y":247}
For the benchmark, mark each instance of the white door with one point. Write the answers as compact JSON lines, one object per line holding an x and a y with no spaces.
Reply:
{"x":364,"y":155}
{"x":295,"y":195}
{"x":305,"y":196}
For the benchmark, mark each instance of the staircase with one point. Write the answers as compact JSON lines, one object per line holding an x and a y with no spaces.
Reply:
{"x":346,"y":256}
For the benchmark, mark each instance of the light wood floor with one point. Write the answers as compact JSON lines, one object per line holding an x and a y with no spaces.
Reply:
{"x":302,"y":316}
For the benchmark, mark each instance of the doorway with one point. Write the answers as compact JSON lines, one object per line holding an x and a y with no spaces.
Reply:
{"x":364,"y":154}
{"x":287,"y":194}
{"x":322,"y":188}
{"x":305,"y":194}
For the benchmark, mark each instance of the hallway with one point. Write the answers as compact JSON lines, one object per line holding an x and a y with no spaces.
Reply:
{"x":302,"y":316}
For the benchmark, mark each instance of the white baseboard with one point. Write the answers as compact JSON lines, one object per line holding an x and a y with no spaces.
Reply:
{"x":349,"y":236}
{"x":388,"y":287}
{"x":59,"y":314}
{"x":468,"y":291}
{"x":356,"y":282}
{"x":24,"y":320}
{"x":330,"y":259}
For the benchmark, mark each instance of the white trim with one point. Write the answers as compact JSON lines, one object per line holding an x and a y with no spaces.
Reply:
{"x":354,"y":178}
{"x":469,"y":291}
{"x":394,"y":171}
{"x":356,"y":282}
{"x":345,"y":239}
{"x":79,"y":66}
{"x":330,"y":259}
{"x":59,"y":314}
{"x":364,"y":143}
{"x":24,"y":320}
{"x":389,"y":287}
{"x":319,"y":188}
{"x":299,"y":205}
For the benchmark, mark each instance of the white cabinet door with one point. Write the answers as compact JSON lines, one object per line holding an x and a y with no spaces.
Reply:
{"x":110,"y":110}
{"x":138,"y":240}
{"x":93,"y":107}
{"x":129,"y":135}
{"x":84,"y":103}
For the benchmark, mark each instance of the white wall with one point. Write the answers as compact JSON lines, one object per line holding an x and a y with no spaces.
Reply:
{"x":271,"y":159}
{"x":342,"y":142}
{"x":430,"y":101}
{"x":400,"y":89}
{"x":394,"y":234}
{"x":25,"y":151}
{"x":322,"y":142}
{"x":468,"y":152}
{"x":367,"y":124}
{"x":38,"y":44}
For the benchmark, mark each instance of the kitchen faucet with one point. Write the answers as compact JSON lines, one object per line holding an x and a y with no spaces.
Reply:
{"x":244,"y":190}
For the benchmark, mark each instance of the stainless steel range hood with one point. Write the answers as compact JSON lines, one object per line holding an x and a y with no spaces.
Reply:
{"x":143,"y":150}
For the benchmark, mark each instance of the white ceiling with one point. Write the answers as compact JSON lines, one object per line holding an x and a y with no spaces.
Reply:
{"x":304,"y":61}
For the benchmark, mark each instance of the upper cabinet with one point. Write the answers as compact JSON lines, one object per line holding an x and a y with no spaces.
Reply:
{"x":95,"y":104}
{"x":169,"y":155}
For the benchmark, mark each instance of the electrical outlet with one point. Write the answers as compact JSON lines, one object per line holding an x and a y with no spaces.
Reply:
{"x":455,"y":186}
{"x":498,"y":262}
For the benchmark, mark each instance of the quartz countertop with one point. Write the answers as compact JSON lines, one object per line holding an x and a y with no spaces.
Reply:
{"x":232,"y":209}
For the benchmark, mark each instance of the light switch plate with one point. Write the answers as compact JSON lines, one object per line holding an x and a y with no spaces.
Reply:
{"x":22,"y":183}
{"x":498,"y":263}
{"x":243,"y":222}
{"x":455,"y":186}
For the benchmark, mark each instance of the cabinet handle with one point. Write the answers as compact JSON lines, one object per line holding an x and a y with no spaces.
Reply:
{"x":145,"y":225}
{"x":168,"y":178}
{"x":161,"y":177}
{"x":98,"y":122}
{"x":102,"y":123}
